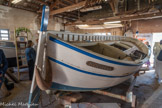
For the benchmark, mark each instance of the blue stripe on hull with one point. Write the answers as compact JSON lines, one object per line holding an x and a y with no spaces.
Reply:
{"x":58,"y":86}
{"x":89,"y":54}
{"x":85,"y":72}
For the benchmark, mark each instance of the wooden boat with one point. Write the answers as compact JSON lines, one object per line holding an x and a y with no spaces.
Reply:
{"x":8,"y":48}
{"x":91,"y":65}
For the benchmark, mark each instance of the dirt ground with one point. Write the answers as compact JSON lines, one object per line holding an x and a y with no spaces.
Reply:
{"x":144,"y":87}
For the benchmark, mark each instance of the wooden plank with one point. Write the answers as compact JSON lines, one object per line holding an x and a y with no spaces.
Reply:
{"x":63,"y":4}
{"x":68,"y":37}
{"x":69,"y":15}
{"x":10,"y":75}
{"x":68,"y":1}
{"x":69,"y":8}
{"x":54,"y":4}
{"x":23,"y":66}
{"x":134,"y":102}
{"x":41,"y":2}
{"x":9,"y":2}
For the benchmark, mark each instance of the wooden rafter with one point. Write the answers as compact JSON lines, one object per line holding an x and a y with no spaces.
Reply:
{"x":63,"y":4}
{"x":41,"y":2}
{"x":69,"y":8}
{"x":50,"y":0}
{"x":67,"y":18}
{"x":9,"y":2}
{"x":70,"y":15}
{"x":54,"y":4}
{"x":114,"y":5}
{"x":21,"y":7}
{"x":122,"y":18}
{"x":57,"y":3}
{"x":76,"y":1}
{"x":69,"y":1}
{"x":33,"y":5}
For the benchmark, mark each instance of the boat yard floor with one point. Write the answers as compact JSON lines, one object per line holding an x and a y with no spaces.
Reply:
{"x":146,"y":89}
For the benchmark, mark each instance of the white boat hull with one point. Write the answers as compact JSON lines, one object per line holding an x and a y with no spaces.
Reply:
{"x":71,"y":72}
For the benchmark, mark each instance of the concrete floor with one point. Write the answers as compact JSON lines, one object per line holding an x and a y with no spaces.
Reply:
{"x":146,"y":90}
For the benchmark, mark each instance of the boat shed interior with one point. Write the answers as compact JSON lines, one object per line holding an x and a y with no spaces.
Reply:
{"x":81,"y":53}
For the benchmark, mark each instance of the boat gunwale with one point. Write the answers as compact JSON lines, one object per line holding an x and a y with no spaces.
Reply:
{"x":121,"y":62}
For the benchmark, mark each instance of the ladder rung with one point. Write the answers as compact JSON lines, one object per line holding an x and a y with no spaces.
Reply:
{"x":22,"y":60}
{"x":21,"y":48}
{"x":21,"y":54}
{"x":23,"y":66}
{"x":21,"y":42}
{"x":22,"y":36}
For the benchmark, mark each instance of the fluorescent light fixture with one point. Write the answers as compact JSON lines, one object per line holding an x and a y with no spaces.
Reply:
{"x":112,"y":22}
{"x":82,"y":26}
{"x":91,"y":8}
{"x":90,"y":26}
{"x":16,"y":1}
{"x":99,"y":26}
{"x":113,"y":25}
{"x":94,"y":27}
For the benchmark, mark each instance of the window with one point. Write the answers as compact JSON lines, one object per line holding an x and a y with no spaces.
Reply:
{"x":4,"y":34}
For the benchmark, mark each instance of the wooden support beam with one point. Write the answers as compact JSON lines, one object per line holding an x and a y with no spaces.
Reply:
{"x":114,"y":5}
{"x":67,"y":18}
{"x":69,"y":15}
{"x":54,"y":4}
{"x":21,"y":7}
{"x":122,"y":18}
{"x":50,"y":0}
{"x":76,"y":1}
{"x":9,"y":2}
{"x":34,"y":5}
{"x":63,"y":4}
{"x":69,"y":8}
{"x":69,"y":1}
{"x":41,"y":2}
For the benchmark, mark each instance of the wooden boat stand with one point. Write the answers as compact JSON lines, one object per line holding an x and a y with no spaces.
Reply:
{"x":67,"y":98}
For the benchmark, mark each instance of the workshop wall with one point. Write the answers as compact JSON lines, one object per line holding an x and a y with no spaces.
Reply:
{"x":147,"y":26}
{"x":11,"y":18}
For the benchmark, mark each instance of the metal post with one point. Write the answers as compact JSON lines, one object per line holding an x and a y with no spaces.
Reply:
{"x":78,"y":37}
{"x":39,"y":57}
{"x":68,"y":37}
{"x":73,"y":38}
{"x":95,"y":38}
{"x":92,"y":38}
{"x":86,"y":38}
{"x":62,"y":36}
{"x":82,"y":38}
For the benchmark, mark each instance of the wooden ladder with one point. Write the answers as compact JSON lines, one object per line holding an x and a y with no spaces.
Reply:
{"x":20,"y":45}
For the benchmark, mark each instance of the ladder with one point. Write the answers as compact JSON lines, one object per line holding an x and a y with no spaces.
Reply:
{"x":21,"y":39}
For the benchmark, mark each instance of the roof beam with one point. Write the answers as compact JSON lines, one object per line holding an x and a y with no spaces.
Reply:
{"x":121,"y":18}
{"x":41,"y":2}
{"x":54,"y":4}
{"x":67,"y":18}
{"x":68,"y":1}
{"x":69,"y":15}
{"x":33,"y":5}
{"x":69,"y":8}
{"x":61,"y":3}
